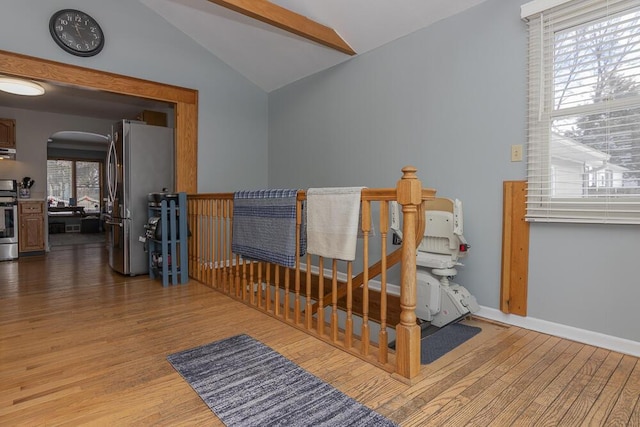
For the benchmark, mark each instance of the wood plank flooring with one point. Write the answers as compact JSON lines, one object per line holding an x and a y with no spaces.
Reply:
{"x":81,"y":345}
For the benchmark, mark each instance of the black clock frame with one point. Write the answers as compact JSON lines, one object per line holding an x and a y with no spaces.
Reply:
{"x":67,"y":48}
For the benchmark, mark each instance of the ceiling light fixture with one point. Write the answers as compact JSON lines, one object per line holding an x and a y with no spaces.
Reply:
{"x":20,"y":87}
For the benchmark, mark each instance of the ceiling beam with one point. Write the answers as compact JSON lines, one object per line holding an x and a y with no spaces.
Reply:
{"x":285,"y":19}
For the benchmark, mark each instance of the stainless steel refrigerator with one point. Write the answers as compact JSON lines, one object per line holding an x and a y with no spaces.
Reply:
{"x":140,"y":161}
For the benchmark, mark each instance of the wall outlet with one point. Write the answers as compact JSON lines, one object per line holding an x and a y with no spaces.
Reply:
{"x":516,"y":153}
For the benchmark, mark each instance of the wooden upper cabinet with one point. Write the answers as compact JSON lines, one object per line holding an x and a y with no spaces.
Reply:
{"x":7,"y":133}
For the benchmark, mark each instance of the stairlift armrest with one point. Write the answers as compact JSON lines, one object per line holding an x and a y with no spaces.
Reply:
{"x":395,"y":220}
{"x":457,"y":218}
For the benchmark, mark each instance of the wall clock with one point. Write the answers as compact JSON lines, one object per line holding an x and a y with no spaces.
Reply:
{"x":76,"y":32}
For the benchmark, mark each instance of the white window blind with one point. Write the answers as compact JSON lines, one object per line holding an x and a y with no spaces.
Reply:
{"x":583,"y":157}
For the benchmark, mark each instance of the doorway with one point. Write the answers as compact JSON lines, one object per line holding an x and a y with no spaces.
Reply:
{"x":184,"y":100}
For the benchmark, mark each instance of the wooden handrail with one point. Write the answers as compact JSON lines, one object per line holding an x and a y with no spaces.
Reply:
{"x":310,"y":301}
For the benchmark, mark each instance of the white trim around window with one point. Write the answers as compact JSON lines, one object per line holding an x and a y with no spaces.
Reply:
{"x":583,"y":148}
{"x":537,"y":6}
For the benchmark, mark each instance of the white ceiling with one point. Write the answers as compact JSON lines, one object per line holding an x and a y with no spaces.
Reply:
{"x":272,"y":58}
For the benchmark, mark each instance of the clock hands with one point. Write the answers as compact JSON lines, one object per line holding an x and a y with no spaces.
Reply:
{"x":81,"y":31}
{"x":77,"y":27}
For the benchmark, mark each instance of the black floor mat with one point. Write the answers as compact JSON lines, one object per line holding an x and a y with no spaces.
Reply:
{"x":435,"y":345}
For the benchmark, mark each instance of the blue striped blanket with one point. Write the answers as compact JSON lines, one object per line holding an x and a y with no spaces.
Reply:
{"x":264,"y":226}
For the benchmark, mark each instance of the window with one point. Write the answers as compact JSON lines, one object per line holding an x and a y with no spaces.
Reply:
{"x":74,"y":183}
{"x":584,"y":111}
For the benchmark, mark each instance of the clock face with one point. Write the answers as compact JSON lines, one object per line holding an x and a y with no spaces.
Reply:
{"x":76,"y":32}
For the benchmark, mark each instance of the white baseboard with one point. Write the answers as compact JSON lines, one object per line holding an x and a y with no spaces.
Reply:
{"x":584,"y":336}
{"x":609,"y":342}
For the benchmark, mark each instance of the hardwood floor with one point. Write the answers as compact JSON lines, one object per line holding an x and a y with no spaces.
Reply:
{"x":82,"y":345}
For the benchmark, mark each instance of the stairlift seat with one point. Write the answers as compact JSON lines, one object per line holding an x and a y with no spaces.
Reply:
{"x":440,"y":246}
{"x":431,"y":260}
{"x":439,"y":300}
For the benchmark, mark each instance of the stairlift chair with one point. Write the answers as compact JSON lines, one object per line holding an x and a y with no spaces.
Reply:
{"x":439,"y":300}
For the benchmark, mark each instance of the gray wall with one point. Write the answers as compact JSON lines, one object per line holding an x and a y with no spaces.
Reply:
{"x":232,"y":129}
{"x":451,"y":100}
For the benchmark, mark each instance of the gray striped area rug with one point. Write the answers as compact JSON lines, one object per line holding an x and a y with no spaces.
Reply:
{"x":246,"y":383}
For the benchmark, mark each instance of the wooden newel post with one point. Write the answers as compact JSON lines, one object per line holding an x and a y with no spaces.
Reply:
{"x":409,"y":192}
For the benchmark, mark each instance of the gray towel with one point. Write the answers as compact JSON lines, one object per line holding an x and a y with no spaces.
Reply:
{"x":264,"y":226}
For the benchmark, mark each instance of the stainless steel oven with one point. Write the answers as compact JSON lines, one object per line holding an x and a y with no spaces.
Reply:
{"x":8,"y":219}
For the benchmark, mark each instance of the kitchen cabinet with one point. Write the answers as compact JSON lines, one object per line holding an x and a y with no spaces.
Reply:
{"x":7,"y":133}
{"x":31,"y":221}
{"x":154,"y":118}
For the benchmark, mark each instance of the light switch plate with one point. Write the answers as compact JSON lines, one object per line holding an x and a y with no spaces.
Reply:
{"x":516,"y":153}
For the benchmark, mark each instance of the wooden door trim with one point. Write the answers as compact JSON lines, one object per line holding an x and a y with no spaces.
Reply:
{"x":185,"y":101}
{"x":515,"y":249}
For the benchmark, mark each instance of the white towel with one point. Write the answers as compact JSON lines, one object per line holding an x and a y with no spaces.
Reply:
{"x":3,"y":225}
{"x":332,"y":221}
